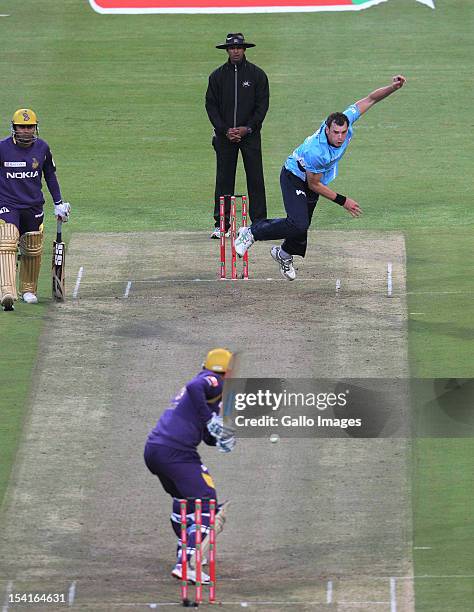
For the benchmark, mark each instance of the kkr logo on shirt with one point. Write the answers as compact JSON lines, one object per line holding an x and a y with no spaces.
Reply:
{"x":22,"y":175}
{"x":35,"y":163}
{"x":212,"y":380}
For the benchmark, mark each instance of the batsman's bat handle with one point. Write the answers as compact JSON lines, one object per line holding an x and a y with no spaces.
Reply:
{"x":59,"y":229}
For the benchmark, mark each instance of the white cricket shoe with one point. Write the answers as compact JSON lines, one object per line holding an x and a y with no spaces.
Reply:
{"x":7,"y":302}
{"x":286,"y":265}
{"x":191,"y":574}
{"x":29,"y":298}
{"x":216,"y":233}
{"x":244,"y":241}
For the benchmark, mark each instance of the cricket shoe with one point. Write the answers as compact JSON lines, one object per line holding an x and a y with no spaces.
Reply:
{"x":29,"y":298}
{"x":177,"y":572}
{"x":244,"y":241}
{"x":216,"y":233}
{"x":286,"y":264}
{"x":7,"y":302}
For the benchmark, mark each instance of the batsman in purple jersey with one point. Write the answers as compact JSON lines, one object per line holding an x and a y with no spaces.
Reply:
{"x":171,"y":449}
{"x":25,"y":160}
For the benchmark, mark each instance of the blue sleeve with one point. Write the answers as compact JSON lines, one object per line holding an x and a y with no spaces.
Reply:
{"x":352,"y":112}
{"x":49,"y":173}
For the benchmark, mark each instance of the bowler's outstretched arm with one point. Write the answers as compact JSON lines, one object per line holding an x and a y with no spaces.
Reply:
{"x":377,"y":95}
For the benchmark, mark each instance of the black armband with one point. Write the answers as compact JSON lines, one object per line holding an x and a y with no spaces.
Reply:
{"x":340,"y":199}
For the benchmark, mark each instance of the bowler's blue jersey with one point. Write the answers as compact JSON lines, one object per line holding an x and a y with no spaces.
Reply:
{"x":317,"y":155}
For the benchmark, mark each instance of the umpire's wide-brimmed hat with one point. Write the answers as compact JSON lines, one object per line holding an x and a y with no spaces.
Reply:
{"x":235,"y":40}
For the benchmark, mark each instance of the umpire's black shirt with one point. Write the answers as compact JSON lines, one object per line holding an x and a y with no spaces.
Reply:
{"x":237,"y":95}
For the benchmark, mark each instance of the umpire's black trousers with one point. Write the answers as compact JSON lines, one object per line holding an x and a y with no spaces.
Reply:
{"x":226,"y":156}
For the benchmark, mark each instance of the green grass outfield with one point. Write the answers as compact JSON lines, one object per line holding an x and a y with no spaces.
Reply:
{"x":120,"y":100}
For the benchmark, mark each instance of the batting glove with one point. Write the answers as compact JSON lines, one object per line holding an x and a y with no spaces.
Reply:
{"x":217,"y":428}
{"x":225,"y":445}
{"x":62,"y":211}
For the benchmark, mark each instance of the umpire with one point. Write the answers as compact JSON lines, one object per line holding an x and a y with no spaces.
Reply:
{"x":237,"y":100}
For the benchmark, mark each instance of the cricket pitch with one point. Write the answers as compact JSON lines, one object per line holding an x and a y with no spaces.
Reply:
{"x":314,"y":524}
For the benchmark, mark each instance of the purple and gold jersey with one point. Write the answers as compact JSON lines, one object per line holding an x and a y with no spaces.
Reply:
{"x":183,"y":424}
{"x":21,"y":171}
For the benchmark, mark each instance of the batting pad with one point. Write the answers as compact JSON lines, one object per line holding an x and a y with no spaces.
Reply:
{"x":9,"y":235}
{"x":31,"y":248}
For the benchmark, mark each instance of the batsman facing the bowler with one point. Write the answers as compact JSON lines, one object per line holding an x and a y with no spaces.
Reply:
{"x":194,"y":416}
{"x":305,"y":176}
{"x":24,"y":160}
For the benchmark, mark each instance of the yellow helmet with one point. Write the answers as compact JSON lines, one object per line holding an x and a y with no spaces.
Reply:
{"x":24,"y":116}
{"x":218,"y":360}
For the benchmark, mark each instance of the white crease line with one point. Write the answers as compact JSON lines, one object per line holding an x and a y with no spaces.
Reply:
{"x":238,"y":281}
{"x":78,"y":282}
{"x":447,"y":576}
{"x":365,"y":603}
{"x":71,"y":593}
{"x":364,"y":577}
{"x":329,"y":592}
{"x":456,"y":292}
{"x":153,"y":281}
{"x":389,"y":279}
{"x":243,"y":604}
{"x":8,"y":592}
{"x":436,"y":577}
{"x":281,"y":281}
{"x":393,"y":594}
{"x":127,"y":289}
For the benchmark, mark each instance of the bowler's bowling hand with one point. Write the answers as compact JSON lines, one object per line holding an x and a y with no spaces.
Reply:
{"x":398,"y":81}
{"x":352,"y":207}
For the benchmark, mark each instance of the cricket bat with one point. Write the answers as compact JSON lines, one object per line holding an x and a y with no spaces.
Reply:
{"x":229,"y":391}
{"x":57,"y":270}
